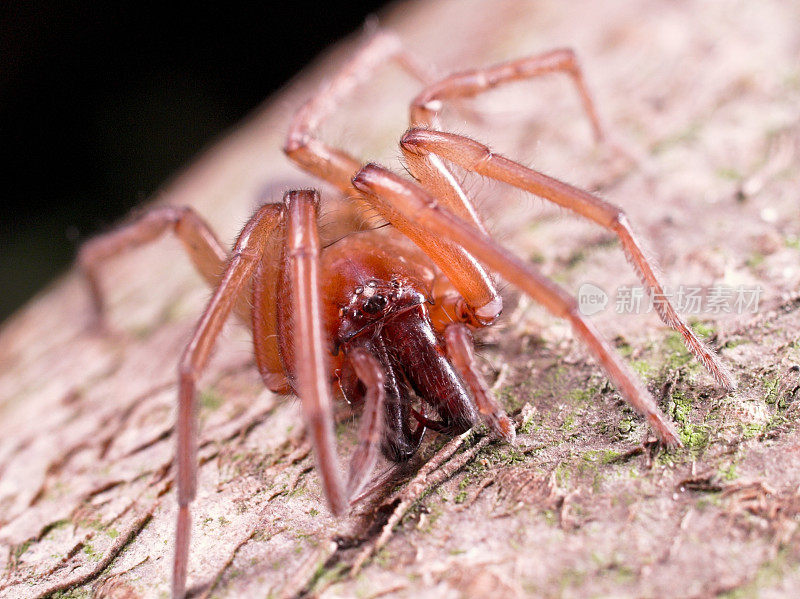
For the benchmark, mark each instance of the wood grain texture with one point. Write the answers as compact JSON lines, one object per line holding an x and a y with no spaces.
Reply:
{"x":706,"y":94}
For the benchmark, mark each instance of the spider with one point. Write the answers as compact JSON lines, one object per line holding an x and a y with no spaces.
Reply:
{"x":384,"y":315}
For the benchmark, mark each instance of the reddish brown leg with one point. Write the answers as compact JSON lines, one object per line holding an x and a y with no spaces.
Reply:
{"x":302,"y":264}
{"x":460,"y":348}
{"x":332,"y":164}
{"x":370,"y":430}
{"x":202,"y":246}
{"x":246,"y":254}
{"x":481,"y":303}
{"x":476,"y":157}
{"x":380,"y":48}
{"x":389,"y":190}
{"x":430,"y":170}
{"x":427,"y":105}
{"x":302,"y":145}
{"x":265,"y":319}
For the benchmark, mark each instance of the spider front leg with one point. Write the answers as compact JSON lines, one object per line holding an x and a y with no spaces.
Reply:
{"x":302,"y":248}
{"x":392,"y":194}
{"x":478,"y":158}
{"x":246,"y":254}
{"x":460,"y":348}
{"x":300,"y":264}
{"x":308,"y":354}
{"x":370,"y":430}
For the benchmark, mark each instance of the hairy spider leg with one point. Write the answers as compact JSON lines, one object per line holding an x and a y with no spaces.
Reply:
{"x":460,"y":348}
{"x":391,"y":194}
{"x":425,"y":108}
{"x":302,"y":144}
{"x":370,"y":430}
{"x":246,"y":254}
{"x":424,"y":148}
{"x":305,"y":357}
{"x":476,"y":157}
{"x":301,"y":261}
{"x":480,"y":302}
{"x":429,"y":169}
{"x":198,"y":239}
{"x":264,"y":309}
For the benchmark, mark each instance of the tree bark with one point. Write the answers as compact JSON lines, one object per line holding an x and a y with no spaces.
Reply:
{"x":704,"y":95}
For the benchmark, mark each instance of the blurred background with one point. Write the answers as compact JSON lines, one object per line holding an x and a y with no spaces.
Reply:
{"x":101,"y":102}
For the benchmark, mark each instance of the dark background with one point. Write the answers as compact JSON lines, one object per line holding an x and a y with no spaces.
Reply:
{"x":101,"y":101}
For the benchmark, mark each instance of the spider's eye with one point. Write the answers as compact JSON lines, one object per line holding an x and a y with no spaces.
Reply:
{"x":375,"y":304}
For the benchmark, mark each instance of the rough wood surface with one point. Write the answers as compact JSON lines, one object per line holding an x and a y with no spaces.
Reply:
{"x":707,"y":94}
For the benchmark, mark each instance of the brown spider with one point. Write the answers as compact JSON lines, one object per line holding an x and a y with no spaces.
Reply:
{"x":373,"y":317}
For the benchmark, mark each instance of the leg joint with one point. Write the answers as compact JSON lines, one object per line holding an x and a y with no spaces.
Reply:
{"x":412,"y":141}
{"x":566,"y":59}
{"x":187,"y":372}
{"x":619,"y":221}
{"x":295,"y":142}
{"x":571,"y":310}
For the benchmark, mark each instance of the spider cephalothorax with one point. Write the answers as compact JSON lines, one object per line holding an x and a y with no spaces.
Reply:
{"x":372,"y":304}
{"x":385,"y":317}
